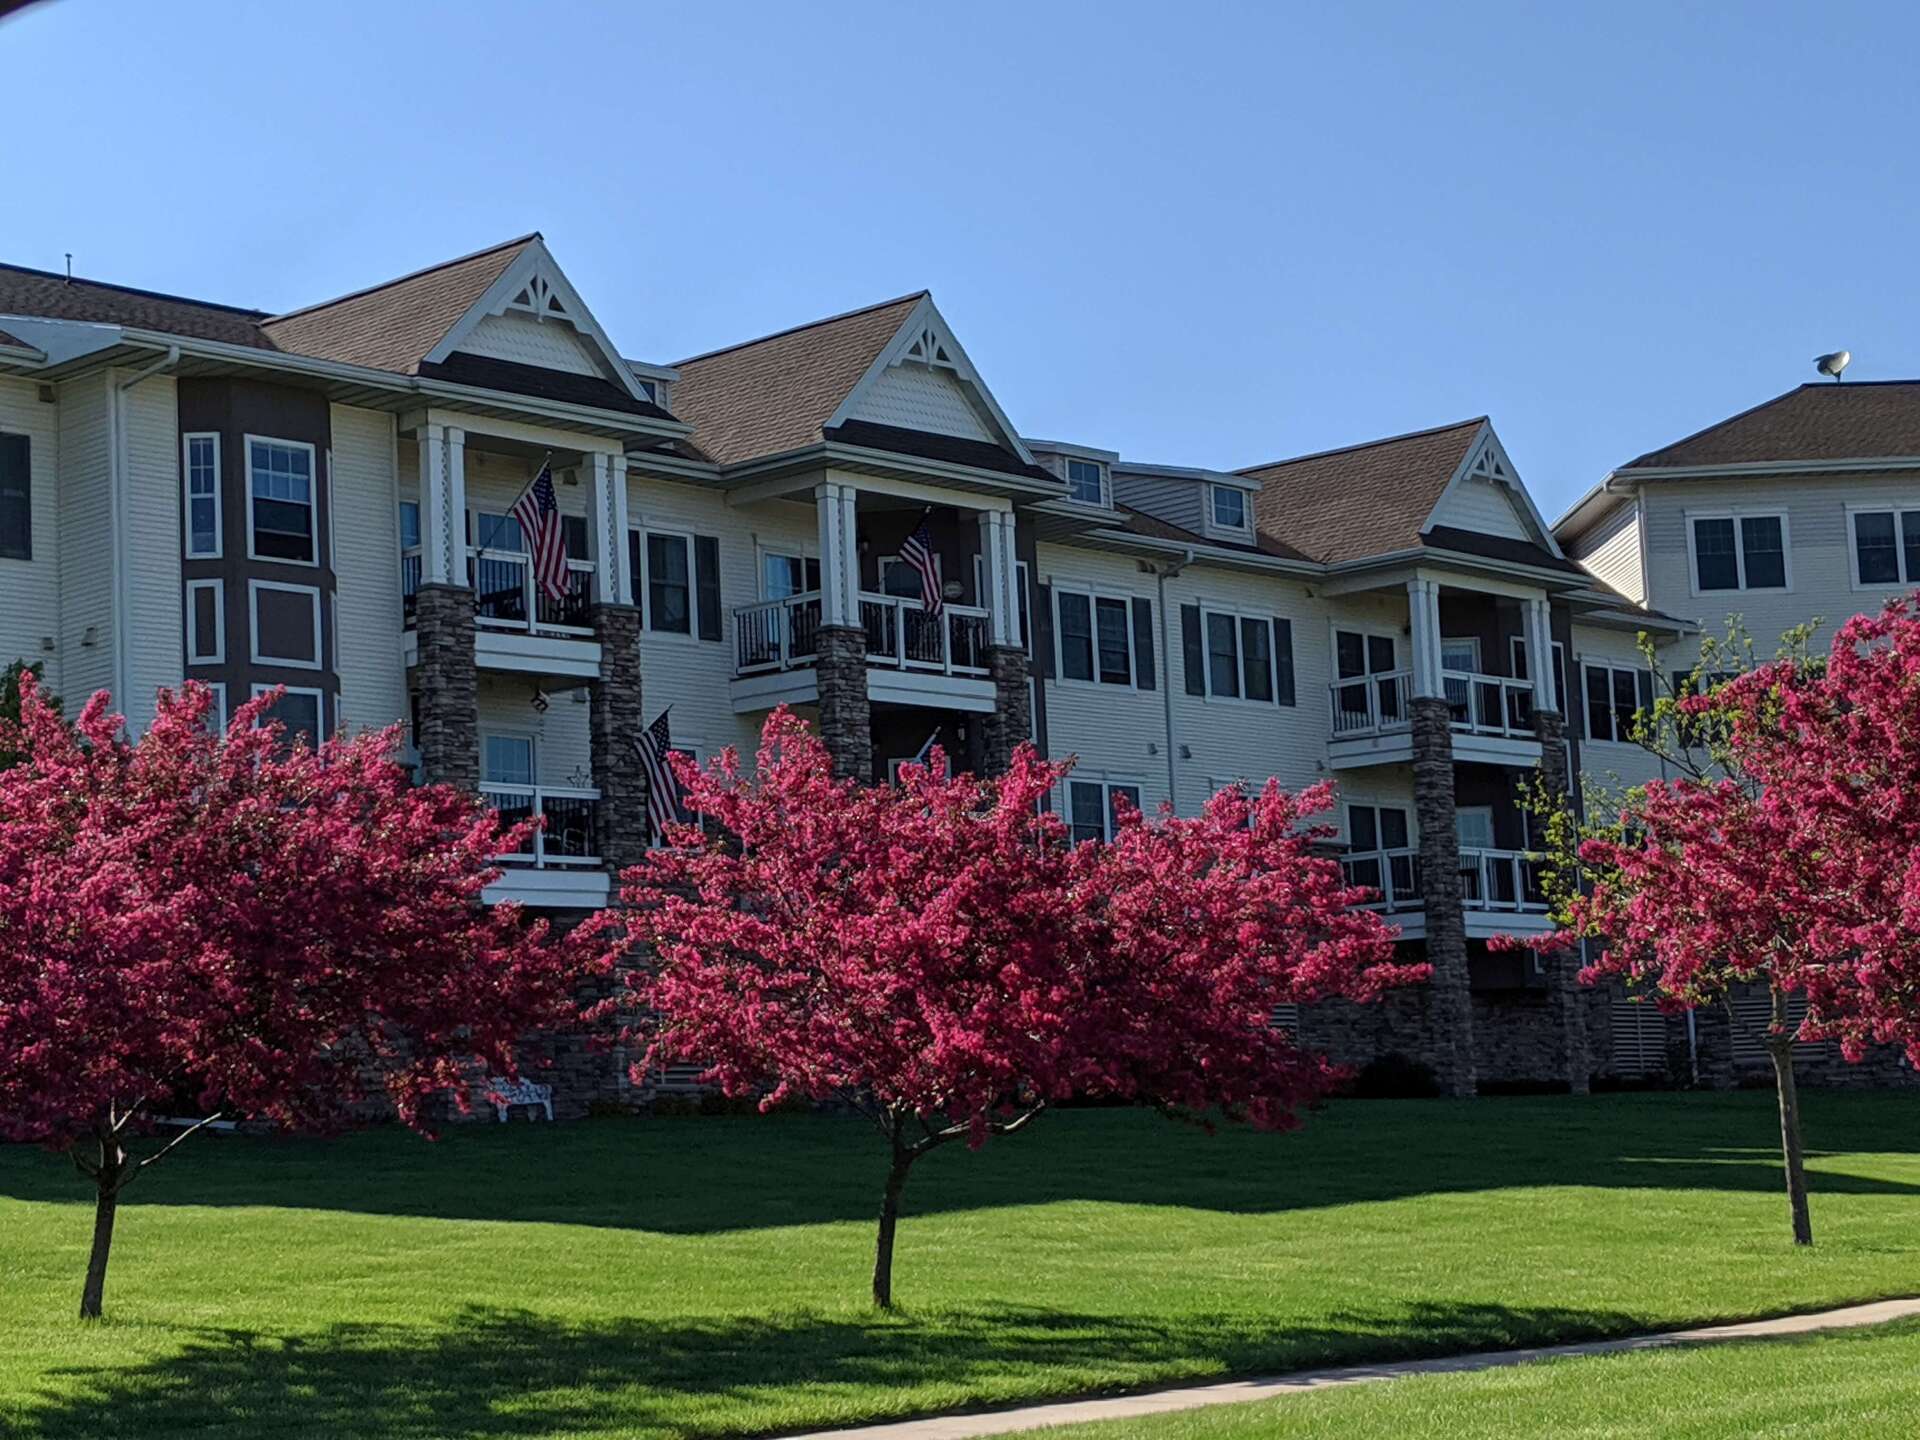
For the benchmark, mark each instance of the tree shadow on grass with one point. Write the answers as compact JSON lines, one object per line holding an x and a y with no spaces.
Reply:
{"x":705,"y":1175}
{"x":496,"y":1372}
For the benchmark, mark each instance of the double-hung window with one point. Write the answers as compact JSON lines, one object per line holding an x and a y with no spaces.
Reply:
{"x":1090,"y":807}
{"x":1614,"y":695}
{"x":669,"y":570}
{"x":1231,"y":656}
{"x":1745,"y":551}
{"x":1100,"y":638}
{"x":1379,"y":848}
{"x":1886,"y":547}
{"x":783,"y":575}
{"x":299,"y":711}
{"x":200,"y":477}
{"x":280,"y":503}
{"x":1086,"y":481}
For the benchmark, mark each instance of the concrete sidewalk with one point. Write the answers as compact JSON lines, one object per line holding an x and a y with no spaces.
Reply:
{"x":1239,"y":1392}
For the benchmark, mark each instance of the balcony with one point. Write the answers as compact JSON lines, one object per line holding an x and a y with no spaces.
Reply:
{"x":562,"y":867}
{"x":1500,"y":890}
{"x":517,"y":626}
{"x":913,"y":658}
{"x":1492,"y":719}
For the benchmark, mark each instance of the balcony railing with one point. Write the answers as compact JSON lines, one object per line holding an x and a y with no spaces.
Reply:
{"x":1372,"y":704}
{"x":571,"y":816}
{"x":784,"y":634}
{"x":1490,"y":880}
{"x":1489,"y":704}
{"x":504,"y":594}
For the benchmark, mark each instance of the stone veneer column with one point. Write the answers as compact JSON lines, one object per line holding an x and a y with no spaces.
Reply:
{"x":846,"y":715}
{"x":1570,"y":1008}
{"x":1012,"y":718}
{"x":1452,"y":1008}
{"x":448,"y":684}
{"x":614,"y":723}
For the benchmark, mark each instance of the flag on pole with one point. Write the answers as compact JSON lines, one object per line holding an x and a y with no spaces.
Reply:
{"x":538,"y":511}
{"x":663,"y":789}
{"x":917,"y":551}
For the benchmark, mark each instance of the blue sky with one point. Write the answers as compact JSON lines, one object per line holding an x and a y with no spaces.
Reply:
{"x":1213,"y":234}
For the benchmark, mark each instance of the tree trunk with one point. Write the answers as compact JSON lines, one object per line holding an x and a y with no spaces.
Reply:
{"x":1780,"y":1049}
{"x":112,"y":1171}
{"x":889,"y":1217}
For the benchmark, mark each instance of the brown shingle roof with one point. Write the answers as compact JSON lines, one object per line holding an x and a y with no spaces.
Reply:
{"x":772,"y":395}
{"x":1152,"y":526}
{"x":394,"y":326}
{"x":1363,"y":500}
{"x":49,"y":296}
{"x":1861,"y":420}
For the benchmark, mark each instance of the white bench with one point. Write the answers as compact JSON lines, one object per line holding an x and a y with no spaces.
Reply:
{"x":508,"y":1093}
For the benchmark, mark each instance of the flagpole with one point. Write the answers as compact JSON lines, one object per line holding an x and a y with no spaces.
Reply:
{"x":498,"y":520}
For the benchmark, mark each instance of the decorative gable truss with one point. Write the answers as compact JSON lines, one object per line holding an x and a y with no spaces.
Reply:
{"x":532,"y":315}
{"x":1486,"y":495}
{"x":923,"y":380}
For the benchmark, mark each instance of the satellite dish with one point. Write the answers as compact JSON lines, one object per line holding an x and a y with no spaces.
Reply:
{"x":1833,"y":364}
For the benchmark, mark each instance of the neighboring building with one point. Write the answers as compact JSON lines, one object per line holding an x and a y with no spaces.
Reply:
{"x":1806,"y":507}
{"x":322,"y":499}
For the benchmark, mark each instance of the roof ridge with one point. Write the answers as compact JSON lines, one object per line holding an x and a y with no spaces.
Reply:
{"x":1362,"y":445}
{"x":132,"y":290}
{"x":806,"y":325}
{"x":402,"y":279}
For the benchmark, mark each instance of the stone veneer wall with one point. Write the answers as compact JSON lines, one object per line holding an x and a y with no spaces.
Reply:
{"x":1571,"y":1016}
{"x":614,"y":722}
{"x":1451,"y":1010}
{"x":448,"y":685}
{"x":1012,"y":718}
{"x":846,"y":715}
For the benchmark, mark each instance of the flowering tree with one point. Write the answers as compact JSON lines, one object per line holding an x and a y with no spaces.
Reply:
{"x":192,"y":922}
{"x":939,"y":957}
{"x":1785,"y":852}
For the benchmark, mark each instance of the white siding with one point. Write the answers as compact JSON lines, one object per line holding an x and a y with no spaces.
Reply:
{"x":30,"y":589}
{"x":548,"y":344}
{"x":85,"y":543}
{"x":562,"y":735}
{"x":1484,"y":506}
{"x":916,"y":398}
{"x":1611,"y":553}
{"x":155,"y":620}
{"x":366,"y":566}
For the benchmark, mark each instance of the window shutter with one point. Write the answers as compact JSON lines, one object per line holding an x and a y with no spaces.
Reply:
{"x":1143,"y":675}
{"x":1043,"y":633}
{"x":16,"y":497}
{"x":1283,"y":661}
{"x":706,"y":585}
{"x":1646,"y":689}
{"x":1195,"y":657}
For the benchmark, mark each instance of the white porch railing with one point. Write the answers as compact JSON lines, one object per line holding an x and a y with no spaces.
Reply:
{"x":1490,"y":880}
{"x":1372,"y":704}
{"x":571,"y":816}
{"x":506,"y":598}
{"x":1490,"y":704}
{"x":901,"y":634}
{"x":1395,"y":874}
{"x":776,"y":634}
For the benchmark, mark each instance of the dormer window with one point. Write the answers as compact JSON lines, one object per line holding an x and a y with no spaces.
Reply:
{"x":1227,"y":512}
{"x":1087,"y":481}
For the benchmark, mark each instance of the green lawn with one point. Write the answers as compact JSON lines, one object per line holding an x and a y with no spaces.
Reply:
{"x":701,"y":1276}
{"x":1860,"y":1385}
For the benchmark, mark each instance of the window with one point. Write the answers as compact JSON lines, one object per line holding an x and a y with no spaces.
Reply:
{"x":280,"y":501}
{"x":1377,"y":827}
{"x":206,"y":622}
{"x":1231,"y":656}
{"x":1518,"y":645}
{"x":217,"y":712}
{"x":669,"y":583}
{"x":506,"y":760}
{"x":1372,"y":830}
{"x":901,"y":580}
{"x":1074,"y":626}
{"x":296,"y":711}
{"x":200,"y":471}
{"x":1114,"y":641}
{"x":1886,"y":547}
{"x":1227,"y":509}
{"x":16,"y":498}
{"x":1475,"y":824}
{"x":285,"y":624}
{"x":784,"y":575}
{"x":409,"y":524}
{"x":1739,"y":552}
{"x":1090,"y":807}
{"x":1086,"y":481}
{"x":1614,"y":694}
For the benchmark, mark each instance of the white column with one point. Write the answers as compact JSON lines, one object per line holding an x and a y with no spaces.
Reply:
{"x":1423,"y":611}
{"x":607,"y":521}
{"x":621,"y":557}
{"x":839,"y":554}
{"x":1540,"y":652}
{"x":439,"y":526}
{"x":457,"y":502}
{"x":1002,"y":596}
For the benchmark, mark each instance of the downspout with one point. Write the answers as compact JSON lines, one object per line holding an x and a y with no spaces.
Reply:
{"x":1161,"y":574}
{"x":118,"y":465}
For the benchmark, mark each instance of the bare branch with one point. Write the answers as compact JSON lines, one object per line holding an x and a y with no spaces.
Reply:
{"x":167,"y":1149}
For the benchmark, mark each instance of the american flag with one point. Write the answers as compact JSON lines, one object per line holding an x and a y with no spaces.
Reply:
{"x":539,"y":515}
{"x":917,"y":551}
{"x":663,"y":790}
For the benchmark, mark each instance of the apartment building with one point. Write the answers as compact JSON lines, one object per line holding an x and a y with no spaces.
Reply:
{"x":321,"y":499}
{"x":1804,"y":508}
